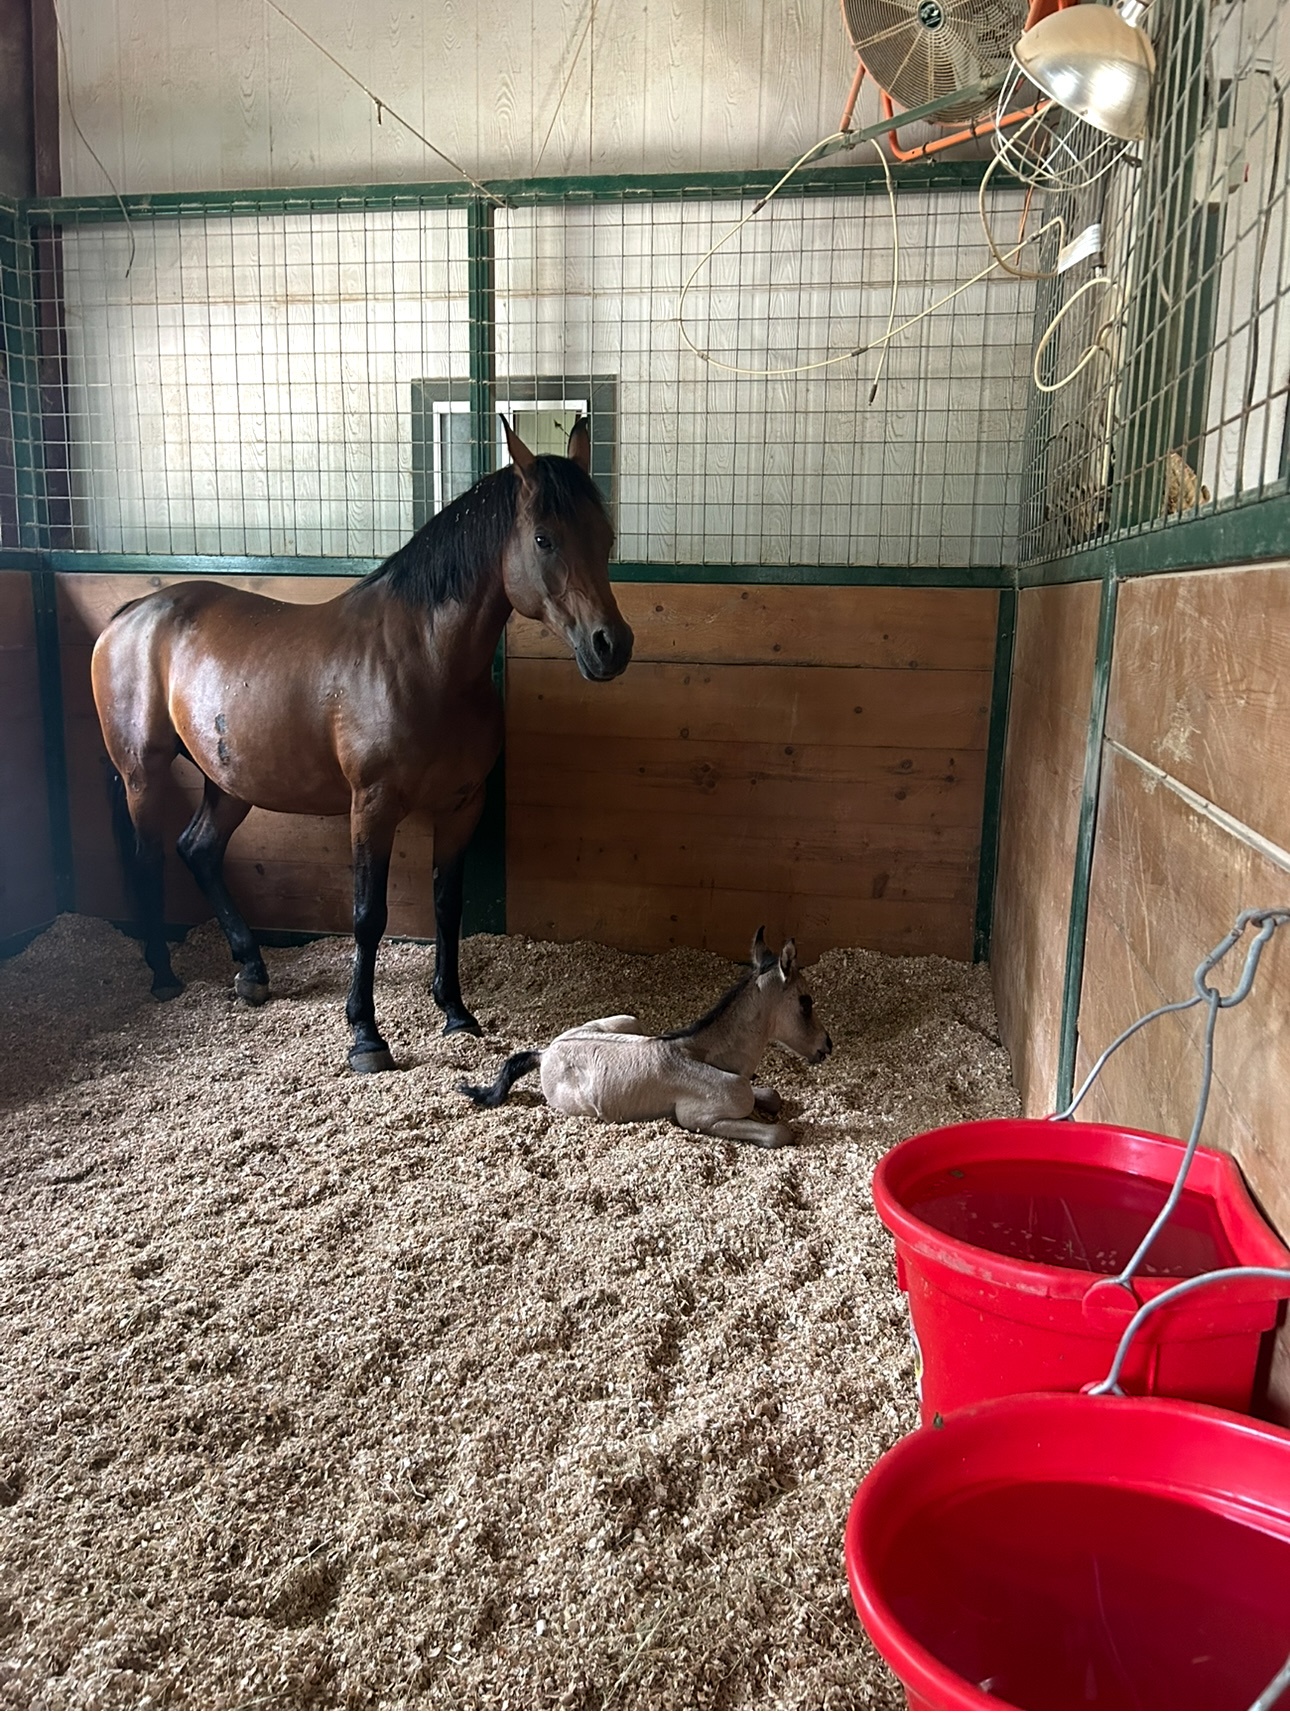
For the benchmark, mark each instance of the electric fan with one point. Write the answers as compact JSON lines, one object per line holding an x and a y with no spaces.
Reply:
{"x":922,"y":51}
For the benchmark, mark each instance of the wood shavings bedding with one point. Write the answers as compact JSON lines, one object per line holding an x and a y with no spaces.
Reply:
{"x":319,"y":1391}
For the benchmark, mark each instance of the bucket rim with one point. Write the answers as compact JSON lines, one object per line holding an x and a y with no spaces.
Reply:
{"x":945,"y":1449}
{"x":1214,"y":1174}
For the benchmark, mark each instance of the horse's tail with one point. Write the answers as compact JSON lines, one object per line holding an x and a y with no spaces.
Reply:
{"x":493,"y":1095}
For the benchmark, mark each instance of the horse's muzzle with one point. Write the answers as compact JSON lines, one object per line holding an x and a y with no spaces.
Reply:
{"x":605,"y":652}
{"x":824,"y":1053}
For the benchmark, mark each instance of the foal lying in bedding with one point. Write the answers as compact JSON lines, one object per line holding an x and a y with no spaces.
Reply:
{"x":700,"y":1077}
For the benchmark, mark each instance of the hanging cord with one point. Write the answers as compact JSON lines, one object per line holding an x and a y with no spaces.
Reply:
{"x":1095,"y":345}
{"x":1268,"y":920}
{"x":857,"y":351}
{"x":65,"y":61}
{"x":1110,"y":1385}
{"x":383,"y":106}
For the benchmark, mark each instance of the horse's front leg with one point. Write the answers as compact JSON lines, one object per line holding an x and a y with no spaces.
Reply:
{"x":373,"y":821}
{"x":450,"y":840}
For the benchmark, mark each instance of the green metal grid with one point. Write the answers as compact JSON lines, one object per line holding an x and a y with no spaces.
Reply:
{"x":1170,"y":449}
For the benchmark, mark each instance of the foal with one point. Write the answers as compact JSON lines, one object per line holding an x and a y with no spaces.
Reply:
{"x":700,"y":1077}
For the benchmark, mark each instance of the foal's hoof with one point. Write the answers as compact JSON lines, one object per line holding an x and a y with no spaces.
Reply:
{"x":247,"y":989}
{"x":167,"y":991}
{"x":462,"y":1022}
{"x":371,"y":1060}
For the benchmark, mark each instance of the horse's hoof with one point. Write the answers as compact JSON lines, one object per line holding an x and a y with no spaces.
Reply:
{"x":248,"y":990}
{"x":463,"y":1022}
{"x":371,"y":1060}
{"x":167,"y":991}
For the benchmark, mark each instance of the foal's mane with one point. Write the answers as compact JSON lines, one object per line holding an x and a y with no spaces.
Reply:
{"x":447,"y":556}
{"x":721,"y":1007}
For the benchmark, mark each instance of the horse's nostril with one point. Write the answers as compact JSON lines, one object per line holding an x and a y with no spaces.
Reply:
{"x":602,"y":643}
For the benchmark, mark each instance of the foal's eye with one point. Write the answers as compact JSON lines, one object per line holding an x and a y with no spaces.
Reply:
{"x":804,"y":1001}
{"x":543,"y":542}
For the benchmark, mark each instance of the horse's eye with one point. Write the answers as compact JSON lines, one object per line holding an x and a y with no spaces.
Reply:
{"x":543,"y":542}
{"x":805,"y":1002}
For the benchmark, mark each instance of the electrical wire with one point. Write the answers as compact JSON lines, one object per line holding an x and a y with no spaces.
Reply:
{"x":1094,"y":347}
{"x":884,"y":339}
{"x":65,"y":61}
{"x":383,"y":106}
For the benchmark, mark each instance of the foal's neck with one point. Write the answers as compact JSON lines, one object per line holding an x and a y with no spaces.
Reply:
{"x":737,"y":1038}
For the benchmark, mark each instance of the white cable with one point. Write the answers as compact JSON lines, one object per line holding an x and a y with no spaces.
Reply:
{"x":1093,"y":349}
{"x":857,"y":351}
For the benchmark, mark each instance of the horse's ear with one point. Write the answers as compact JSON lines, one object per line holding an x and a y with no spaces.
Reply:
{"x":761,"y":954}
{"x":521,"y":458}
{"x":580,"y":444}
{"x":788,"y":959}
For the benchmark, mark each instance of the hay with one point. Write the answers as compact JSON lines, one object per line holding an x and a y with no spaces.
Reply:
{"x":325,"y":1391}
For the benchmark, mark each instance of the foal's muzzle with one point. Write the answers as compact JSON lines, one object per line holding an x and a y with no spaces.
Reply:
{"x":604,"y":652}
{"x":824,"y":1053}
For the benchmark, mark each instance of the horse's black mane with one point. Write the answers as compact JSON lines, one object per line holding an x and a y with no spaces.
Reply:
{"x":443,"y":560}
{"x":722,"y":1006}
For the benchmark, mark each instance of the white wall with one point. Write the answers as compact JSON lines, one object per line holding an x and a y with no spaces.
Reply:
{"x":218,"y":94}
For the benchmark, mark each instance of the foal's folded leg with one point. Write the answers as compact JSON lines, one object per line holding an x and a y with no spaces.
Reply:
{"x":723,"y":1107}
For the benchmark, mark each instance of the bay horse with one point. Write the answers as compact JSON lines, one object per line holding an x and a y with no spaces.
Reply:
{"x":373,"y":705}
{"x":701,"y":1077}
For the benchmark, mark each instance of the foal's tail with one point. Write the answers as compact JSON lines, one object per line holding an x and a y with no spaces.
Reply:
{"x":494,"y":1095}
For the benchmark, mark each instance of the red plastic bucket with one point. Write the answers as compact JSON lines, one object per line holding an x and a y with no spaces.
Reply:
{"x":1054,"y":1551}
{"x":1006,"y":1231}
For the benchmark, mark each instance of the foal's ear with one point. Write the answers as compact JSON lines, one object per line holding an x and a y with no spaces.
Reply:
{"x":521,"y":458}
{"x":580,"y":444}
{"x":788,"y":959}
{"x":761,"y":954}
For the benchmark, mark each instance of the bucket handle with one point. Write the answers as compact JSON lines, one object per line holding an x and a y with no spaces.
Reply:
{"x":1269,"y":919}
{"x":1110,"y":1384}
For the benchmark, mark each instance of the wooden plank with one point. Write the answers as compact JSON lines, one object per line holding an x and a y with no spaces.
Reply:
{"x":651,"y":919}
{"x":673,"y":778}
{"x":784,"y":626}
{"x":826,"y":705}
{"x":1202,"y":662}
{"x":17,"y":622}
{"x":1043,"y":780}
{"x":783,"y":857}
{"x":1167,"y":884}
{"x":88,"y":600}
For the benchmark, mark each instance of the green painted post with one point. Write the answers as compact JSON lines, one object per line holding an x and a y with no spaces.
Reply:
{"x":1000,"y":694}
{"x":1077,"y":924}
{"x":484,"y":906}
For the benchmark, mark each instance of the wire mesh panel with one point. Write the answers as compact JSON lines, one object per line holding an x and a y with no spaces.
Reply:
{"x":748,"y":426}
{"x":243,"y":385}
{"x":1183,"y":333}
{"x":316,"y":381}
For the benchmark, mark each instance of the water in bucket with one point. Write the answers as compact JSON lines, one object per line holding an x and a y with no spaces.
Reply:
{"x":1070,"y":1215}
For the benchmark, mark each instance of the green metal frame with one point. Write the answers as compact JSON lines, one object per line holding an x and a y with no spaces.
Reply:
{"x":996,"y":745}
{"x":1081,"y":880}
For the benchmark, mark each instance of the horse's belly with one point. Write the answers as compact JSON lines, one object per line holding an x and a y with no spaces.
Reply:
{"x":609,"y":1077}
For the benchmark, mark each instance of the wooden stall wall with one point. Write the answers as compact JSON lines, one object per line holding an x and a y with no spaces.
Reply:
{"x":808,"y":758}
{"x":26,"y":864}
{"x":1052,"y":675}
{"x":1193,"y":826}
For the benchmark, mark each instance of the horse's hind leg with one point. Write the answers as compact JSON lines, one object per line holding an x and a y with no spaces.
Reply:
{"x":372,"y":826}
{"x":202,"y":846}
{"x":138,"y":817}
